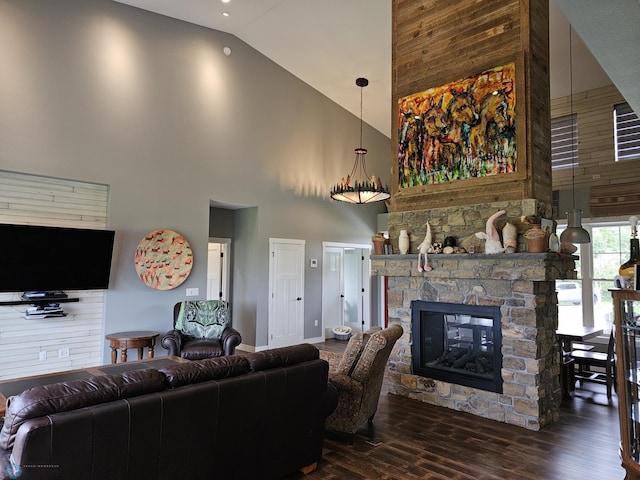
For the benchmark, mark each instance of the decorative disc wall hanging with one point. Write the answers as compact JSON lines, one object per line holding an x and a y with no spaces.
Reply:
{"x":163,"y":259}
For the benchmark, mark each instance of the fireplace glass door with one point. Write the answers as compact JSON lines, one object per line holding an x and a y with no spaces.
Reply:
{"x":468,"y":344}
{"x":460,"y":344}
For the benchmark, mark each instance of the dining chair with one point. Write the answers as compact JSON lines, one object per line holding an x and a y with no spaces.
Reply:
{"x":582,"y":346}
{"x":586,"y":360}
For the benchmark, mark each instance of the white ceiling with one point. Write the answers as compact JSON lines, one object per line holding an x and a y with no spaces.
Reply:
{"x":330,"y":43}
{"x":611,"y":31}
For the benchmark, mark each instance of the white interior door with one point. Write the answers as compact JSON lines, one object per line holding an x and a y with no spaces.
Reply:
{"x":346,"y":281}
{"x":218,"y":270}
{"x":352,"y":289}
{"x":286,"y":281}
{"x":332,"y":296}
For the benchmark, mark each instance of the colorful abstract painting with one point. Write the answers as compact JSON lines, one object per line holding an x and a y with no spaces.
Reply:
{"x":163,"y":259}
{"x":464,"y":129}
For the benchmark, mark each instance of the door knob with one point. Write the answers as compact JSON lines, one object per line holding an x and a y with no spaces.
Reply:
{"x":299,"y":298}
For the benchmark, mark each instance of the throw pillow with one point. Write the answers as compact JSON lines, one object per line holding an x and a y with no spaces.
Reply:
{"x":362,"y":368}
{"x":354,"y":350}
{"x":351,"y":353}
{"x":203,"y":319}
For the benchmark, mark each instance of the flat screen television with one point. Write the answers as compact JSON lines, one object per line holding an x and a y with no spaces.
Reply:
{"x":52,"y":259}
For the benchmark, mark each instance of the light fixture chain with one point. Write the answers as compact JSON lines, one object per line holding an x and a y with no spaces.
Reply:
{"x":364,"y":189}
{"x":361,"y":117}
{"x":574,"y":150}
{"x":574,"y":233}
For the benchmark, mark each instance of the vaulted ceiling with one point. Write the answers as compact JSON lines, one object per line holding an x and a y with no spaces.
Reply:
{"x":330,"y":43}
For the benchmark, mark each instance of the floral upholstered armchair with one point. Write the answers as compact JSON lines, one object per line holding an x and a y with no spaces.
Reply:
{"x":201,"y":330}
{"x":358,"y":376}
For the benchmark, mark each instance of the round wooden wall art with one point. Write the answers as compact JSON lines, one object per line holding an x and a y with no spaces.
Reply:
{"x":163,"y":259}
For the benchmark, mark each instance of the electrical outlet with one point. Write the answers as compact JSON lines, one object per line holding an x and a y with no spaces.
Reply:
{"x":63,"y":352}
{"x":315,"y":324}
{"x":193,"y":292}
{"x":42,"y":356}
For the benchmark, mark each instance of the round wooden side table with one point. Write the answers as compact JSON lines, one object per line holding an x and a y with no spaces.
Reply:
{"x":136,"y":339}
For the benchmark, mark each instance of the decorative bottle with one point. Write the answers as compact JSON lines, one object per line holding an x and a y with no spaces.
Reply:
{"x":403,"y":242}
{"x":627,"y":269}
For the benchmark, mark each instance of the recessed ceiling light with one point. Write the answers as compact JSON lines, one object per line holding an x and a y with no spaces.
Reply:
{"x":225,"y":14}
{"x":225,"y":1}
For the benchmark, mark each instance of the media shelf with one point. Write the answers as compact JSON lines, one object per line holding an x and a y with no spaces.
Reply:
{"x":39,"y":301}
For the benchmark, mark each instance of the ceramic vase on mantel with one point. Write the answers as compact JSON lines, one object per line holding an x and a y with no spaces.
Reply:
{"x":378,"y":243}
{"x":537,"y":240}
{"x":403,"y":242}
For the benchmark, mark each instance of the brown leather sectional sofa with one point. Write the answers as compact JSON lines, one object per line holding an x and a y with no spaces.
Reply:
{"x":258,"y":416}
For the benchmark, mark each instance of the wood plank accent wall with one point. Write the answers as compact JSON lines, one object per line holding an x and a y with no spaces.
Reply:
{"x":613,"y":186}
{"x":438,"y":42}
{"x":29,"y":199}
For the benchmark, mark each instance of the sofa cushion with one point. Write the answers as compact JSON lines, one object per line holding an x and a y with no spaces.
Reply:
{"x":202,"y":370}
{"x":64,"y":396}
{"x":201,"y":348}
{"x":203,"y":319}
{"x":281,"y":357}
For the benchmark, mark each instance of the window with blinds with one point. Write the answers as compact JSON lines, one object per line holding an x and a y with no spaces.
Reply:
{"x":564,"y":142}
{"x":626,"y":131}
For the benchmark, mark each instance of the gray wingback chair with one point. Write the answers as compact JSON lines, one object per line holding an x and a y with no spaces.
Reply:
{"x":358,"y":377}
{"x":201,"y":330}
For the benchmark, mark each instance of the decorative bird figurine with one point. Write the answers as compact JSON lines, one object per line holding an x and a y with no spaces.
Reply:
{"x":491,"y":235}
{"x":423,"y":249}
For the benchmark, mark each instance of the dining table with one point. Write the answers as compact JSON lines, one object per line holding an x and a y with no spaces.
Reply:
{"x":567,"y":334}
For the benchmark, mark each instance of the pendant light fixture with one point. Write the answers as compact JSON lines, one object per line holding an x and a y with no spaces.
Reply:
{"x":364,"y":188}
{"x":574,"y":233}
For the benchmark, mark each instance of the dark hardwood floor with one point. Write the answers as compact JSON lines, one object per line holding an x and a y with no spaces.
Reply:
{"x":421,"y":441}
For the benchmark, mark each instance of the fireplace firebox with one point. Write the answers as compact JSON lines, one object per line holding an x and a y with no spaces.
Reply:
{"x":459,"y":344}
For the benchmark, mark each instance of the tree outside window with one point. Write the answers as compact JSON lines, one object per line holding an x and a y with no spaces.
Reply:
{"x":587,"y":300}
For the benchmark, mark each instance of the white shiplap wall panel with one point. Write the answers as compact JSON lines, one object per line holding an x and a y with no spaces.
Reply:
{"x":35,"y":200}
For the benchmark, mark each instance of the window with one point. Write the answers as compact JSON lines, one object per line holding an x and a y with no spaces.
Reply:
{"x":587,"y":300}
{"x":564,"y":142}
{"x":626,"y":133}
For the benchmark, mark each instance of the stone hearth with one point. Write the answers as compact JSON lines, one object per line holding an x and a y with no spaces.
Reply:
{"x":523,"y":286}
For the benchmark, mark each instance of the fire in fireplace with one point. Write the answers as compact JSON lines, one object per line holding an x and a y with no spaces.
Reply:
{"x":459,"y":344}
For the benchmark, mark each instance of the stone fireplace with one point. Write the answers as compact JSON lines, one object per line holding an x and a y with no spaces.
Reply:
{"x":520,"y":286}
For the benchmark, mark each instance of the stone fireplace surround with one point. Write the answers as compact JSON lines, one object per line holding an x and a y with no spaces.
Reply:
{"x":521,"y":284}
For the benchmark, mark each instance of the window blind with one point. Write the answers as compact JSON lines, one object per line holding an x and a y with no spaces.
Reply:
{"x":564,"y":142}
{"x":626,"y":129}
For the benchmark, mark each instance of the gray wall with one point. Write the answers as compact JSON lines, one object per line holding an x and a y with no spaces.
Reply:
{"x":98,"y":91}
